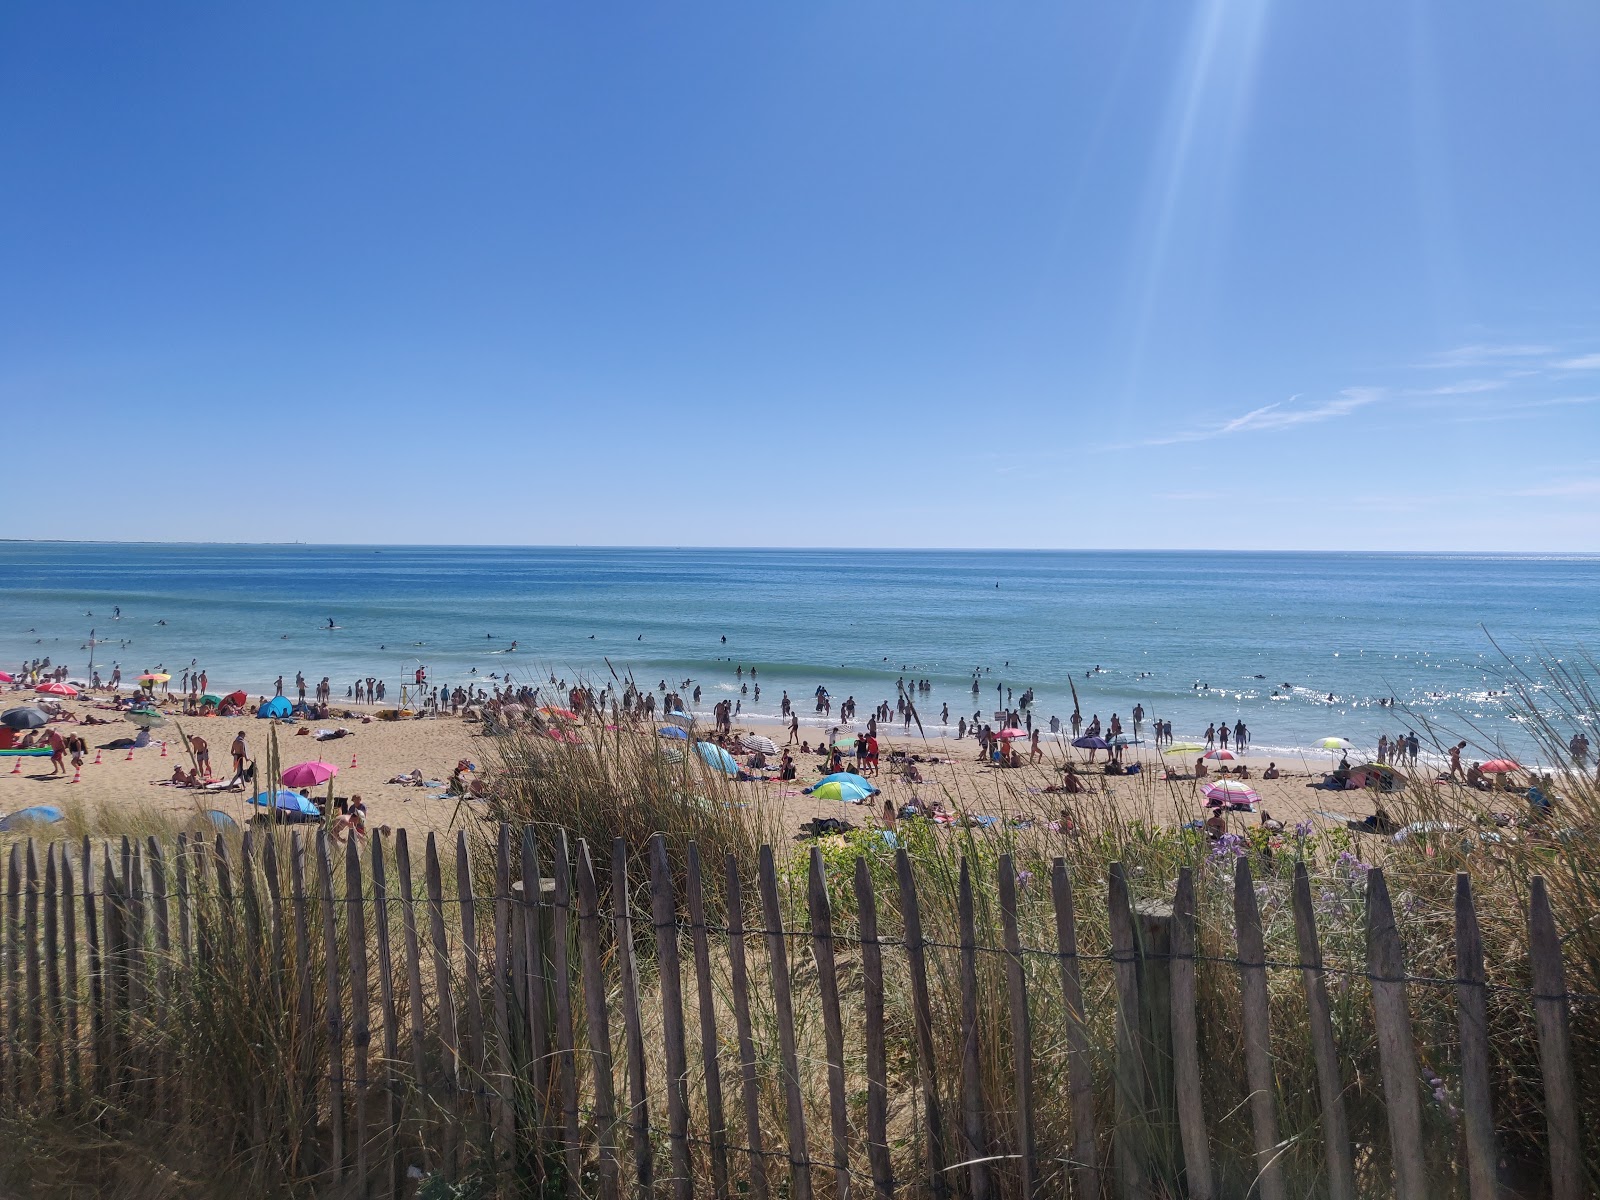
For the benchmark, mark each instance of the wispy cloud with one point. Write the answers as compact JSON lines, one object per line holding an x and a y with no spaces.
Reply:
{"x":1570,"y":487}
{"x":1281,"y":415}
{"x":1466,"y":387}
{"x":1584,"y":362}
{"x":1481,"y":354}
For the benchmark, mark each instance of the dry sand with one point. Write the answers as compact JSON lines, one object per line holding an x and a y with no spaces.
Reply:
{"x":382,"y":750}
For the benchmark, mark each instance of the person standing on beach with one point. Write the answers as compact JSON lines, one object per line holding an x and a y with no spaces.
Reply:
{"x":279,"y":685}
{"x":1211,"y":736}
{"x":202,"y":756}
{"x":240,"y":751}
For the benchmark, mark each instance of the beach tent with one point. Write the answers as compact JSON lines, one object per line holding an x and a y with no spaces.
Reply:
{"x":718,"y":758}
{"x":278,"y":706}
{"x":239,"y":698}
{"x":39,"y":814}
{"x":221,"y":820}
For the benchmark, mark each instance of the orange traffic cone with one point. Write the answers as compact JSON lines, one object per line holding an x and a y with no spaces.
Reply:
{"x":96,"y":761}
{"x":163,"y":749}
{"x":130,"y":755}
{"x":75,"y":773}
{"x":17,"y":769}
{"x":352,"y":762}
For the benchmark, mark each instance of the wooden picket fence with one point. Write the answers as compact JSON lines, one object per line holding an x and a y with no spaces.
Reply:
{"x":507,"y":1030}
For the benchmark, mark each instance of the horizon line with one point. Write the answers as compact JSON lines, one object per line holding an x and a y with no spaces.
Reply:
{"x":1492,"y":553}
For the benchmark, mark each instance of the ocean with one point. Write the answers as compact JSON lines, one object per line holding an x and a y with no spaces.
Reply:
{"x":1195,"y":637}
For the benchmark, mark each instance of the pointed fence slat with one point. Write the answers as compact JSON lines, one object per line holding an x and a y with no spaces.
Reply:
{"x":566,"y":1056}
{"x":832,"y":1023}
{"x":445,"y":1005}
{"x":976,"y":1147}
{"x":394,"y":1162}
{"x":664,"y":915}
{"x":504,"y":1082}
{"x":1397,"y":1054}
{"x":1080,"y":1080}
{"x":333,"y":1009}
{"x":305,"y":1007}
{"x":877,"y":1052}
{"x":783,"y":1011}
{"x":1186,"y":1046}
{"x":52,"y":981}
{"x":98,"y":1034}
{"x":472,"y":1045}
{"x":1337,"y":1158}
{"x":411,"y":944}
{"x":1472,"y":1021}
{"x":599,"y":1025}
{"x":749,"y":1078}
{"x":14,"y":1062}
{"x":1256,"y":1034}
{"x":632,"y":1024}
{"x":710,"y":1059}
{"x":69,"y":962}
{"x":1021,"y":1029}
{"x":536,"y":980}
{"x":1132,"y":1116}
{"x":360,"y":1004}
{"x":922,"y":1022}
{"x":1552,"y":1010}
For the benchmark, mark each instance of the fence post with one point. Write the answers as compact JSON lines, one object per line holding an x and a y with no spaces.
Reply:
{"x":33,"y":976}
{"x":1397,"y":1055}
{"x":821,"y":912}
{"x":536,"y":980}
{"x":412,"y":944}
{"x":1335,"y":1127}
{"x":1080,"y":1080}
{"x":1186,"y":1046}
{"x":877,"y":1064}
{"x":750,"y":1082}
{"x":664,"y":915}
{"x":69,"y":940}
{"x":1021,"y":1027}
{"x":922,"y":1017}
{"x":1257,"y":1033}
{"x":710,"y":1060}
{"x":1477,"y":1105}
{"x":1550,"y":1005}
{"x":599,"y":1022}
{"x":13,"y":1000}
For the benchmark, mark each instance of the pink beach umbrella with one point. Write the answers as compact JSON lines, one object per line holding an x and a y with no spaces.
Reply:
{"x":1009,"y":734}
{"x":4,"y":678}
{"x":309,"y":774}
{"x":1230,"y":793}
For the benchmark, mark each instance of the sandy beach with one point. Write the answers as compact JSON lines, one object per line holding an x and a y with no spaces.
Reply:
{"x":375,"y":751}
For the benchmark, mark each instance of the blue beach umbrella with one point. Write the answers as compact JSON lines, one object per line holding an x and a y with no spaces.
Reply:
{"x":286,"y":801}
{"x":1092,"y":743}
{"x":221,"y":820}
{"x":715,"y":756}
{"x":672,"y":731}
{"x":278,"y":706}
{"x":1125,"y":739}
{"x":849,"y":777}
{"x":847,"y":793}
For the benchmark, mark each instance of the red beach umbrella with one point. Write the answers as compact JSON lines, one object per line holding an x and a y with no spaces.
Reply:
{"x":56,"y":689}
{"x":1499,"y":766}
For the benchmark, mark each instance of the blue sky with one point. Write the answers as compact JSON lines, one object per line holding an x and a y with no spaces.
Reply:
{"x":1240,"y":274}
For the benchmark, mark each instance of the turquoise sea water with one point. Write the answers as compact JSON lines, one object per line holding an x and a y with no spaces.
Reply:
{"x":1361,"y":627}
